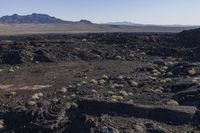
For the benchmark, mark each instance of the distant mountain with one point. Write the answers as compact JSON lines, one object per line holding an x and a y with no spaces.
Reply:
{"x":36,"y":18}
{"x":33,"y":18}
{"x":124,"y":23}
{"x":83,"y":21}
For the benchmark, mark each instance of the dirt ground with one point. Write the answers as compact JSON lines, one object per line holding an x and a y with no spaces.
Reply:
{"x":24,"y":29}
{"x":100,"y":83}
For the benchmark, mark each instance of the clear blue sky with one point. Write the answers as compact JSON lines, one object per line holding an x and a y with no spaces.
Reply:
{"x":100,"y":11}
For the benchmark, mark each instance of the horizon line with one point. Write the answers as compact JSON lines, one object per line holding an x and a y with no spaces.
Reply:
{"x":120,"y":21}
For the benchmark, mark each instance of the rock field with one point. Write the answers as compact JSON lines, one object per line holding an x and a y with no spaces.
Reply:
{"x":100,"y":83}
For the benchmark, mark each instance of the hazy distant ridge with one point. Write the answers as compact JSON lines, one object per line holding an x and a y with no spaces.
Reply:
{"x":126,"y":23}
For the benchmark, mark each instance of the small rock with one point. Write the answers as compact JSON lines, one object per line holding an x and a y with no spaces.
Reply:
{"x":31,"y":103}
{"x":1,"y":124}
{"x":133,"y":83}
{"x":115,"y":85}
{"x":40,"y":94}
{"x":35,"y":96}
{"x":170,"y":63}
{"x":139,"y":129}
{"x":83,"y":82}
{"x":93,"y":81}
{"x":78,"y":84}
{"x":118,"y":57}
{"x":191,"y":72}
{"x":123,"y":93}
{"x":73,"y":95}
{"x":120,"y":77}
{"x":130,"y":101}
{"x":172,"y":102}
{"x":1,"y":70}
{"x":17,"y":67}
{"x":123,"y":58}
{"x":114,"y":130}
{"x":105,"y":129}
{"x":102,"y":81}
{"x":141,"y":58}
{"x":152,"y":78}
{"x":155,"y":71}
{"x":74,"y":105}
{"x":11,"y":70}
{"x":55,"y":100}
{"x":103,"y":117}
{"x":163,"y":71}
{"x":130,"y":94}
{"x":117,"y":97}
{"x":114,"y":97}
{"x":163,"y":81}
{"x":64,"y":90}
{"x":70,"y":86}
{"x":114,"y":100}
{"x":158,"y":91}
{"x":168,"y":79}
{"x":93,"y":91}
{"x":156,"y":74}
{"x":143,"y":53}
{"x":170,"y":74}
{"x":13,"y":93}
{"x":161,"y":88}
{"x":132,"y":55}
{"x":84,"y":40}
{"x":196,"y":80}
{"x":105,"y":77}
{"x":165,"y":67}
{"x":110,"y":92}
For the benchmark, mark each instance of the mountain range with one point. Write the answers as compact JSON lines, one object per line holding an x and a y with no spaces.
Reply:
{"x":42,"y":23}
{"x":36,"y":18}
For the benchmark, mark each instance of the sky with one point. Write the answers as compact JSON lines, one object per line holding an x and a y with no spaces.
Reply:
{"x":186,"y":12}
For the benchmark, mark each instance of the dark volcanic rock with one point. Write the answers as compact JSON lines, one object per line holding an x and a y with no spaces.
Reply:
{"x":42,"y":56}
{"x":148,"y":77}
{"x":88,"y":47}
{"x":190,"y":96}
{"x":184,"y":69}
{"x":190,"y":38}
{"x":12,"y":57}
{"x":45,"y":117}
{"x":173,"y":114}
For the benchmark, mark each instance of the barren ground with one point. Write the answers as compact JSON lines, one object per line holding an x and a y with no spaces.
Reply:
{"x":24,"y":29}
{"x":99,"y":83}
